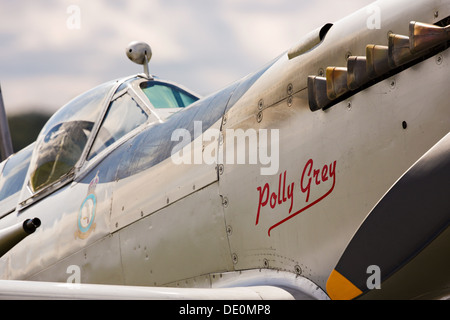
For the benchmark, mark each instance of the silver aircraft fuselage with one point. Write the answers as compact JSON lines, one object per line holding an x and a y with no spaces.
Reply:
{"x":318,"y":156}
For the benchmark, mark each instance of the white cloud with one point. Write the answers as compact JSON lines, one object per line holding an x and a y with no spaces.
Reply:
{"x":27,"y":94}
{"x":265,"y":30}
{"x":203,"y":45}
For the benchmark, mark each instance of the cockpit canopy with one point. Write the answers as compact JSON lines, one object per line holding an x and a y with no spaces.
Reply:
{"x":64,"y":137}
{"x":97,"y":119}
{"x":166,"y":96}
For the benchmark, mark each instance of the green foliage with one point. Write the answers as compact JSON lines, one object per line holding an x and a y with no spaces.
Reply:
{"x":25,"y":128}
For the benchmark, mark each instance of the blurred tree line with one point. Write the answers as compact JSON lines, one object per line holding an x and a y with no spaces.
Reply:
{"x":25,"y":128}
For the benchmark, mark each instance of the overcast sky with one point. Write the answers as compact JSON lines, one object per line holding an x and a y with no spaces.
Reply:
{"x":53,"y":50}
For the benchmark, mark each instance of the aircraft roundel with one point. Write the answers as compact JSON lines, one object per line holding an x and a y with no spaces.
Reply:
{"x":86,"y":214}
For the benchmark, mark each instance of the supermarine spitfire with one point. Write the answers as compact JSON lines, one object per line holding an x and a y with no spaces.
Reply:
{"x":323,"y":175}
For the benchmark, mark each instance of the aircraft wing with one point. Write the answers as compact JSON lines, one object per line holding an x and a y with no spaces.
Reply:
{"x":29,"y":290}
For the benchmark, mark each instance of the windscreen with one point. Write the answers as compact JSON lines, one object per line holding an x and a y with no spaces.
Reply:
{"x":163,"y":95}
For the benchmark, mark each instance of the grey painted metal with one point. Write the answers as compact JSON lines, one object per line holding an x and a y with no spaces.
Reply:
{"x":300,"y":287}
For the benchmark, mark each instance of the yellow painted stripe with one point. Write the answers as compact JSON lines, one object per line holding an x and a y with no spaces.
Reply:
{"x":340,"y":288}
